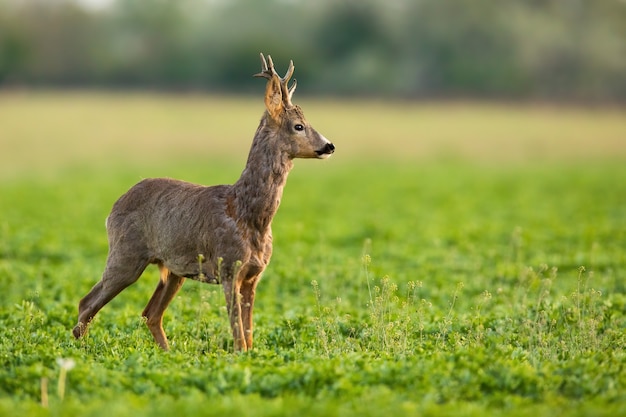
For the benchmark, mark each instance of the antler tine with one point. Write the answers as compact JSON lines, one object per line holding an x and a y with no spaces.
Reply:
{"x":267,"y":71}
{"x":263,"y":63}
{"x":270,"y":64}
{"x":292,"y":88}
{"x":289,"y":73}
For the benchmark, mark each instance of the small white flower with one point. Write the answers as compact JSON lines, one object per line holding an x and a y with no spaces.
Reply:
{"x":67,"y":364}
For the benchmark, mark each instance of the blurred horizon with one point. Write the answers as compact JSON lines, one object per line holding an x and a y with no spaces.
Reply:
{"x":562,"y":50}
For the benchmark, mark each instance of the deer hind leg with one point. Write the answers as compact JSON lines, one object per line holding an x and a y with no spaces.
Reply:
{"x":119,"y":273}
{"x":168,"y":286}
{"x":248,"y":291}
{"x":233,"y":305}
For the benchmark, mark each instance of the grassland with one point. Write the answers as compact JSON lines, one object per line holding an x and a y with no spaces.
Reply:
{"x":451,"y":259}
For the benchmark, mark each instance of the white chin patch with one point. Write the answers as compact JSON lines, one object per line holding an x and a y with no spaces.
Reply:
{"x":324,"y":156}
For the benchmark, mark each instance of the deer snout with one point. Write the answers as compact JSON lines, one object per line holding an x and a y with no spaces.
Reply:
{"x":326,"y":151}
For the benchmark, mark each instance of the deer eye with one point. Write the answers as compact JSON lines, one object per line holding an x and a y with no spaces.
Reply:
{"x":298,"y":127}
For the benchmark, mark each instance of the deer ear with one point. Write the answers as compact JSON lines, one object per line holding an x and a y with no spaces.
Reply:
{"x":274,"y":98}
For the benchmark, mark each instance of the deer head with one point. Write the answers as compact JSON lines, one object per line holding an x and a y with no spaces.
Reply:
{"x":299,"y":139}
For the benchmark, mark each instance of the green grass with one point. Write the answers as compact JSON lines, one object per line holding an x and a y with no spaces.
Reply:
{"x":421,"y":279}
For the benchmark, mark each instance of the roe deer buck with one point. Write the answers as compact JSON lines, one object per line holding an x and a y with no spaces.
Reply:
{"x":220,"y":234}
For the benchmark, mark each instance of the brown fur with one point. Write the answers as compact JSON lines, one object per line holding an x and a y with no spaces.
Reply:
{"x":219,"y":234}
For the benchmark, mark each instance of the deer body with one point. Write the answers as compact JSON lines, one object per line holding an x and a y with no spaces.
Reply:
{"x":219,"y":234}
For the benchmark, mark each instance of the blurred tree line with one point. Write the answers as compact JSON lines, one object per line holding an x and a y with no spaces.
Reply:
{"x":557,"y":49}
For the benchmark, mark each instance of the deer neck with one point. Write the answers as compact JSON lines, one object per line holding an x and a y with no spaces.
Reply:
{"x":260,"y":187}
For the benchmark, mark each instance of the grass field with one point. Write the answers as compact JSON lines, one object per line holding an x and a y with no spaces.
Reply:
{"x":460,"y":259}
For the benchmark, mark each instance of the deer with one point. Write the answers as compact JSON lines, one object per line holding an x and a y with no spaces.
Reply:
{"x":213,"y":234}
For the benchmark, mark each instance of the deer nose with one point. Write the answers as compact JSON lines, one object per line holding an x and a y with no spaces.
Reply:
{"x":327,"y":149}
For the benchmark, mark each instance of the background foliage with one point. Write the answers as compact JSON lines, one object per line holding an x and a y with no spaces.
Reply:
{"x":557,"y":49}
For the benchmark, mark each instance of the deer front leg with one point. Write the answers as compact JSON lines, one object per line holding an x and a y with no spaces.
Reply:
{"x":233,"y":305}
{"x":248,"y":291}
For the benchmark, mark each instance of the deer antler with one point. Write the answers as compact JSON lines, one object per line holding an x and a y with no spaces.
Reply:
{"x":268,"y":72}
